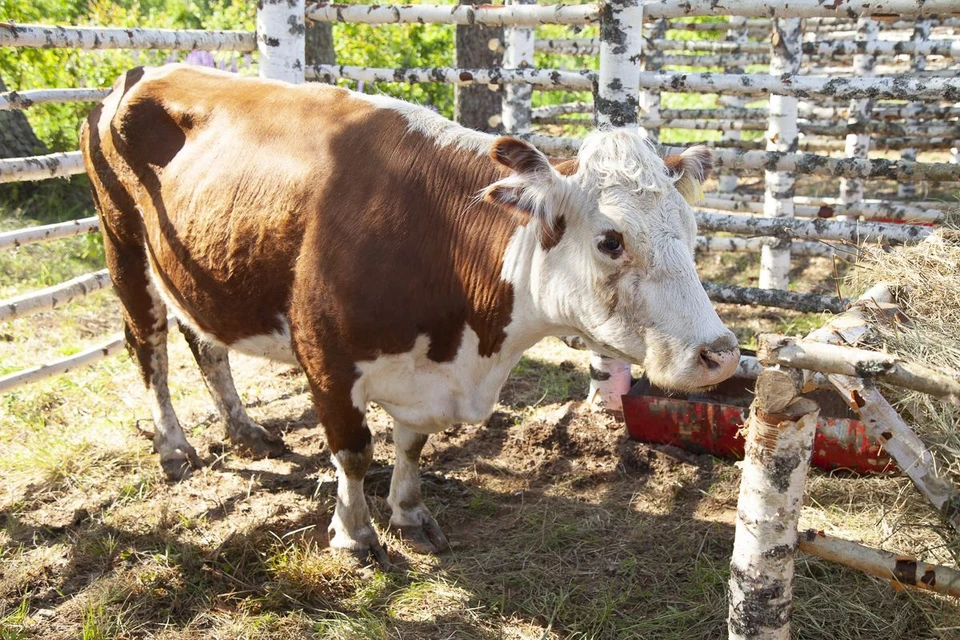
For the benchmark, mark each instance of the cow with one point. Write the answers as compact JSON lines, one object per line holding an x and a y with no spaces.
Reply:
{"x":395,"y":256}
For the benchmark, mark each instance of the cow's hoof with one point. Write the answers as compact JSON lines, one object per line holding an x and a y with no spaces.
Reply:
{"x":425,"y":537}
{"x":367,"y":556}
{"x":256,"y":442}
{"x":180,"y":463}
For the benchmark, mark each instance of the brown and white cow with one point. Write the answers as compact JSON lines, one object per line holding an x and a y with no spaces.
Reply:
{"x":396,"y":256}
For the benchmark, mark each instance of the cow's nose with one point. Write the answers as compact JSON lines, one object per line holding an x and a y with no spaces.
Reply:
{"x":719,"y":359}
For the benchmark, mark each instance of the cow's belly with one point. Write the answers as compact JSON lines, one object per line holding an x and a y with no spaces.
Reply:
{"x":428,"y":396}
{"x":272,"y":346}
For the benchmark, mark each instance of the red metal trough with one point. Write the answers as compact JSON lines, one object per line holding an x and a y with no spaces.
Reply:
{"x":711,"y":423}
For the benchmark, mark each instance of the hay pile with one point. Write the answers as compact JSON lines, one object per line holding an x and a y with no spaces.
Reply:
{"x":925,"y":279}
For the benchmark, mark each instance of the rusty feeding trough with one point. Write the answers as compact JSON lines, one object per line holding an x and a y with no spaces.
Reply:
{"x":710,"y":422}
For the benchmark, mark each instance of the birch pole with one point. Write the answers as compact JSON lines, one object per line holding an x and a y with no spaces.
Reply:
{"x":918,"y":62}
{"x":616,"y":101}
{"x":781,"y":136}
{"x":738,"y":35}
{"x":858,"y":144}
{"x":651,"y":60}
{"x":517,"y":107}
{"x":281,"y":39}
{"x":780,"y":433}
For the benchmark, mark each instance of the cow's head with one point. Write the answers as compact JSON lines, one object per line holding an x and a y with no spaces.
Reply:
{"x":614,"y":258}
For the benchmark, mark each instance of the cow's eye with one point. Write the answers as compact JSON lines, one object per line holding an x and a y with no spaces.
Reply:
{"x":611,"y":244}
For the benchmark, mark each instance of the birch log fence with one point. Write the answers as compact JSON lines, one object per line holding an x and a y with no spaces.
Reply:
{"x":913,"y":111}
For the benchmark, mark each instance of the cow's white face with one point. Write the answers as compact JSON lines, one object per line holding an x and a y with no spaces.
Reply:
{"x":615,"y":258}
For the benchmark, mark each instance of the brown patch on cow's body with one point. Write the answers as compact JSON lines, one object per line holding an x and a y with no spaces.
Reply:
{"x":262,"y":201}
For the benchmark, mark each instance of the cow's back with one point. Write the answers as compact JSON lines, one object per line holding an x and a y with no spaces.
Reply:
{"x":235,"y":184}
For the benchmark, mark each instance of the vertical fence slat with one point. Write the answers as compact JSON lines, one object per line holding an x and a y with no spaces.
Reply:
{"x":617,"y":101}
{"x":621,"y":45}
{"x":517,"y":108}
{"x":650,"y":60}
{"x":858,"y":144}
{"x":738,"y":33}
{"x":780,"y":433}
{"x":781,"y":136}
{"x":918,"y":62}
{"x":281,"y":39}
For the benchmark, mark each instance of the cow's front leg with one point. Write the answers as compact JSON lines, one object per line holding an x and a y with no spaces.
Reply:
{"x":410,"y":516}
{"x":351,"y":528}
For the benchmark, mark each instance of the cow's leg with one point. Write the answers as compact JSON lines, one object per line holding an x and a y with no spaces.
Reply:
{"x":410,"y":516}
{"x":145,"y":325}
{"x":243,"y":432}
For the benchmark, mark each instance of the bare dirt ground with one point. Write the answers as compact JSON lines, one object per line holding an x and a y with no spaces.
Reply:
{"x":561,"y":527}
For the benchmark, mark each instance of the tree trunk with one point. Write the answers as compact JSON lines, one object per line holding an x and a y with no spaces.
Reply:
{"x":17,"y":139}
{"x":477,"y":106}
{"x":319,"y":44}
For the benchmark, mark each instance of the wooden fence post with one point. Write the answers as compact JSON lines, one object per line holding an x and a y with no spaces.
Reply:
{"x":737,"y":33}
{"x":281,"y":39}
{"x":918,"y":62}
{"x":780,"y":433}
{"x":858,"y":144}
{"x":781,"y":136}
{"x":616,"y":102}
{"x":517,"y":116}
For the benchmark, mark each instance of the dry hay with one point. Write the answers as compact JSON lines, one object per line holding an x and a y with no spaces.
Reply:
{"x":925,"y":280}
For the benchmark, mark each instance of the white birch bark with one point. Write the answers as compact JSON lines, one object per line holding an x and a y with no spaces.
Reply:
{"x":782,"y":136}
{"x":617,"y":99}
{"x":281,"y":40}
{"x":753,"y":245}
{"x":609,"y":380}
{"x":621,"y":47}
{"x":849,"y":361}
{"x":737,"y":40}
{"x":858,"y":144}
{"x":54,"y":165}
{"x":851,"y":231}
{"x":799,"y":8}
{"x":650,"y":99}
{"x":881,"y":420}
{"x":33,"y":235}
{"x":48,"y":36}
{"x":777,"y":298}
{"x":542,"y":78}
{"x":809,"y":163}
{"x":881,"y":88}
{"x":517,"y":107}
{"x":904,"y":213}
{"x":502,"y":16}
{"x":65,"y":365}
{"x":918,"y":62}
{"x":53,"y":297}
{"x":897,"y":568}
{"x":25,"y":99}
{"x":780,"y":433}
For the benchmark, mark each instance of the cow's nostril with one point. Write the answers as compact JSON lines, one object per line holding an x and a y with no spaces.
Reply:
{"x":708,"y":360}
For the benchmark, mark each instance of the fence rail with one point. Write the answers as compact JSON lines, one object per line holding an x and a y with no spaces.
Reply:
{"x":33,"y":235}
{"x":49,"y":37}
{"x":55,"y":296}
{"x":54,"y":165}
{"x":25,"y":99}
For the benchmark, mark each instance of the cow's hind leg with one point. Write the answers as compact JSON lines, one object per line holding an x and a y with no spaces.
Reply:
{"x":243,"y":432}
{"x":145,"y":325}
{"x":410,"y":516}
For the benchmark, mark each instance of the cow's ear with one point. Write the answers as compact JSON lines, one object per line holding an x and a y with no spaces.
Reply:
{"x":691,"y":169}
{"x":529,"y":183}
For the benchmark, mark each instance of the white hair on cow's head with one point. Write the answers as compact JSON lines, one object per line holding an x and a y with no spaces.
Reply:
{"x":623,"y":158}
